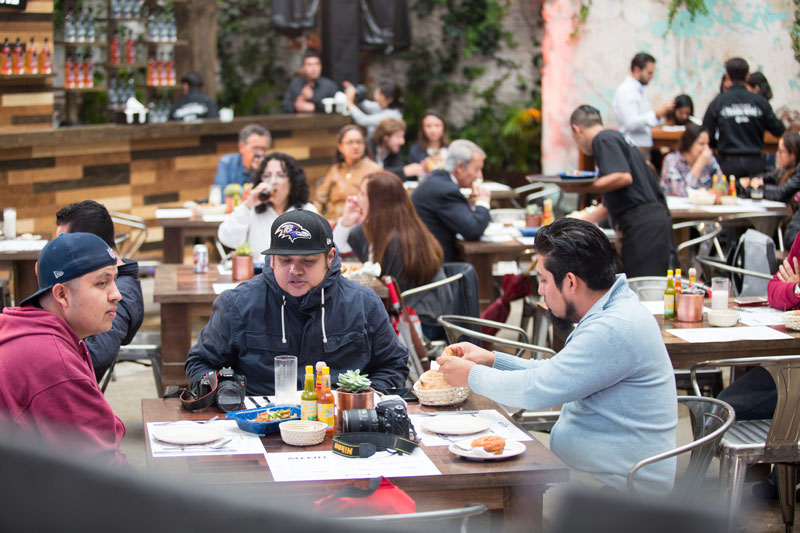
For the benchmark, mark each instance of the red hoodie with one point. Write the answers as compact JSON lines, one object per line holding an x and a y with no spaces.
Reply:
{"x":48,"y":386}
{"x":781,"y":295}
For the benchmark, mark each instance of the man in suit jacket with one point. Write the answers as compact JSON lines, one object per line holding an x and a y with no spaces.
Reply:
{"x":442,"y":207}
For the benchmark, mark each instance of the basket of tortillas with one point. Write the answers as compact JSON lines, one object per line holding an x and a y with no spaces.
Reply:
{"x":432,"y":389}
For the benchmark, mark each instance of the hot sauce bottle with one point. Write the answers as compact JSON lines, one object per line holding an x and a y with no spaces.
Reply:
{"x":325,"y":402}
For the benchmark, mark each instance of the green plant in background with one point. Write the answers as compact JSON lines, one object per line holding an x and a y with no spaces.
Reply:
{"x":353,"y":381}
{"x":244,"y":249}
{"x":796,"y":31}
{"x":694,"y":7}
{"x":252,"y":81}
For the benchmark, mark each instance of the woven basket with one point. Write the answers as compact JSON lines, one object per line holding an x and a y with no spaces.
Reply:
{"x":791,"y":319}
{"x":303,"y":432}
{"x":451,"y":396}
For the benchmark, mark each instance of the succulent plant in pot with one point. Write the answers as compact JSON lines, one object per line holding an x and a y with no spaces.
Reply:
{"x":242,"y":262}
{"x":355,"y":391}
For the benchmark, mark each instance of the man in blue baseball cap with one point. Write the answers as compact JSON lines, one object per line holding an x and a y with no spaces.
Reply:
{"x":300,"y":305}
{"x":47,"y":384}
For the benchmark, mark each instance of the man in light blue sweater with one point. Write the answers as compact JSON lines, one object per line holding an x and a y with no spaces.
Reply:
{"x":613,"y":376}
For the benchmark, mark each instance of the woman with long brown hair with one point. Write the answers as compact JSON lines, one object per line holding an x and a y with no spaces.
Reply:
{"x":346,"y":174}
{"x":380,"y":225}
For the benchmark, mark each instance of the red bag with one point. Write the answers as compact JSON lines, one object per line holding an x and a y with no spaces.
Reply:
{"x":381,"y":498}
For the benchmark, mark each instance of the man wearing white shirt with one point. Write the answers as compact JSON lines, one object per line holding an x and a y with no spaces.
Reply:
{"x":634,"y":114}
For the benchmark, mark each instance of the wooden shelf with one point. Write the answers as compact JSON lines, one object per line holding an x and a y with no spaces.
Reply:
{"x":76,"y":44}
{"x":119,"y":66}
{"x":15,"y":77}
{"x":96,"y":88}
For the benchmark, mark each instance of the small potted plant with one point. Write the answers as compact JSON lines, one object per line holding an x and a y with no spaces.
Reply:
{"x":355,"y":391}
{"x":243,"y":262}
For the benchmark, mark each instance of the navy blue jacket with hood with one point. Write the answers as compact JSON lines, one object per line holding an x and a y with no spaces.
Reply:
{"x":340,"y":322}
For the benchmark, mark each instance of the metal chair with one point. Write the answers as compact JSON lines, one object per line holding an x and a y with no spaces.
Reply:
{"x":651,"y":288}
{"x":145,"y":345}
{"x":535,"y":420}
{"x":764,"y":441}
{"x":530,"y":188}
{"x":766,"y":223}
{"x":415,"y":360}
{"x":423,"y":519}
{"x":714,"y":264}
{"x":711,"y":418}
{"x":707,"y":230}
{"x":129,"y":246}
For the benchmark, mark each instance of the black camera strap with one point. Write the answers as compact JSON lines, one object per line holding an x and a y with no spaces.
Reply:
{"x":362,"y":444}
{"x":189,"y":399}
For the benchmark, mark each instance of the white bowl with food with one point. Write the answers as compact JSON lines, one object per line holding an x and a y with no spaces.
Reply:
{"x":791,"y":319}
{"x":723,"y":318}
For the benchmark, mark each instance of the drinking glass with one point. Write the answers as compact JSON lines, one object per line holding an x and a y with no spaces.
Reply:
{"x":719,"y":293}
{"x":215,"y":195}
{"x":757,"y":194}
{"x":285,"y":379}
{"x":10,"y":223}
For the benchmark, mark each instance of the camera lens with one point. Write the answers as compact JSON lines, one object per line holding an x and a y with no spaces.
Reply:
{"x":362,"y":420}
{"x":230,"y":396}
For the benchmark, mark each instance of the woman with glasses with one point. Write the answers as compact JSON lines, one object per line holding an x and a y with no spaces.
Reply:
{"x":279,"y":185}
{"x":346,"y":174}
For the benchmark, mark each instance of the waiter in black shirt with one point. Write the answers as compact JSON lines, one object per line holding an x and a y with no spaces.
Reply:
{"x":631,"y":195}
{"x":736,"y":120}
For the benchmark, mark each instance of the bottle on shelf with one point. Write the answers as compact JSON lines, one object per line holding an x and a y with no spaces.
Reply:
{"x":151,"y":71}
{"x":77,"y":69}
{"x":669,"y":297}
{"x":113,"y":94}
{"x":88,"y":70}
{"x":130,"y":48}
{"x":152,"y":27}
{"x":46,"y":58}
{"x":80,"y":27}
{"x":116,"y":9}
{"x":6,"y":64}
{"x":31,"y":59}
{"x":18,"y":59}
{"x":170,"y":68}
{"x":114,"y":52}
{"x":308,"y":400}
{"x":162,"y":73}
{"x":69,"y":73}
{"x":90,"y":29}
{"x":69,"y":27}
{"x":547,"y":212}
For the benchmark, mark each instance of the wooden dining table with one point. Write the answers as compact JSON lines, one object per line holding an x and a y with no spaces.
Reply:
{"x":177,"y":230}
{"x":185,"y":295}
{"x":512,"y":488}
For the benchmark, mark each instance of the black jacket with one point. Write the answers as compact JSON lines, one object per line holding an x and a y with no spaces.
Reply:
{"x":324,"y":88}
{"x":104,"y":347}
{"x":340,"y":322}
{"x":442,"y":207}
{"x":740,"y":118}
{"x":193,"y":106}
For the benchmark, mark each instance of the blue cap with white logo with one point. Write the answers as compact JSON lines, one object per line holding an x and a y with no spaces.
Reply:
{"x":300,"y":232}
{"x":70,"y":256}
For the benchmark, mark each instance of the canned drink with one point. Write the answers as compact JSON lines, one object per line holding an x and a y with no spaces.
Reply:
{"x":200,"y":258}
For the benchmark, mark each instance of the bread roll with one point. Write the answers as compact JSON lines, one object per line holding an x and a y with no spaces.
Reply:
{"x":432,"y":380}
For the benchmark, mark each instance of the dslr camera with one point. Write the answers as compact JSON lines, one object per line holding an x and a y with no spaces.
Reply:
{"x":230,"y":392}
{"x":389,"y":416}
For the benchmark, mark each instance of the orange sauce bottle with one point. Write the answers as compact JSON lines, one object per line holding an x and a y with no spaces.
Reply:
{"x":325,"y":402}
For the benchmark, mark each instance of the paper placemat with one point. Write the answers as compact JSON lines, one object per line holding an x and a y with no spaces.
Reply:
{"x":749,"y":333}
{"x":173,"y":213}
{"x":22,"y":245}
{"x":760,"y":316}
{"x":241,"y":442}
{"x":498,"y":425}
{"x":314,"y":466}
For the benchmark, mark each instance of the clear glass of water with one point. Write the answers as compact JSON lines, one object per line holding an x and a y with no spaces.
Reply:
{"x":286,"y":379}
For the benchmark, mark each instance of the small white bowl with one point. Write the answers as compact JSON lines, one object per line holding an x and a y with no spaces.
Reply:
{"x":791,"y":319}
{"x":723,"y":318}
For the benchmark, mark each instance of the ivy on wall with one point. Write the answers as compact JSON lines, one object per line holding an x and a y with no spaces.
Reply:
{"x":442,"y":71}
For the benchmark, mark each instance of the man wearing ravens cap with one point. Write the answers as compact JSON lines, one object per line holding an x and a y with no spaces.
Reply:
{"x":47,"y":384}
{"x":300,"y":305}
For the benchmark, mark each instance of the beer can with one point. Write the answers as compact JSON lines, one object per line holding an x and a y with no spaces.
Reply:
{"x":200,"y":258}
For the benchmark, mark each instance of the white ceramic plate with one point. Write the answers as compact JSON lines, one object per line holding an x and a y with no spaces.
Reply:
{"x":186,"y":432}
{"x":454,"y":424}
{"x":512,"y":449}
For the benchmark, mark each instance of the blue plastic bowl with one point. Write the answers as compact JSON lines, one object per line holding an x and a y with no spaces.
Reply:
{"x":246,"y":421}
{"x":578,"y":174}
{"x":529,"y":231}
